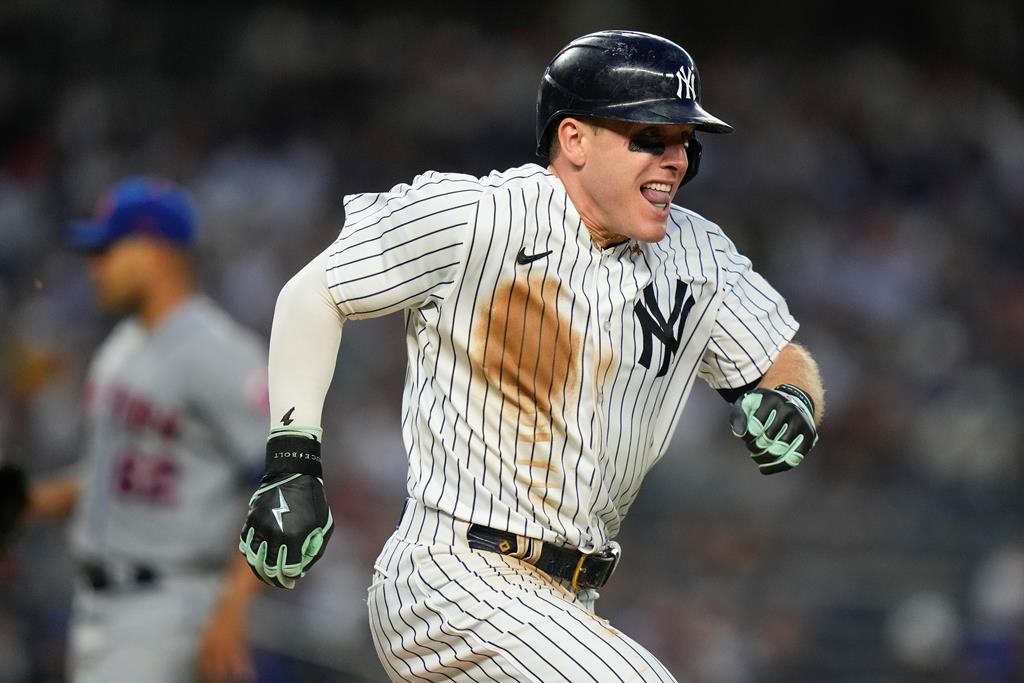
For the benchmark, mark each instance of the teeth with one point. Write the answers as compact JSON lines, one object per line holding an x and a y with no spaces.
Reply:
{"x":660,"y":187}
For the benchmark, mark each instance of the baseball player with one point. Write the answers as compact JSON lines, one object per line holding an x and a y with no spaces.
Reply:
{"x":556,"y":318}
{"x":175,"y":408}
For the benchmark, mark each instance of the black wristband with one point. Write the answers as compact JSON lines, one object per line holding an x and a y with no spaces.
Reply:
{"x":734,"y":394}
{"x":799,"y":394}
{"x":294,"y":455}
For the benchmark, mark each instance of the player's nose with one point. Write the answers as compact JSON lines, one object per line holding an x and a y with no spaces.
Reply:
{"x":675,"y":157}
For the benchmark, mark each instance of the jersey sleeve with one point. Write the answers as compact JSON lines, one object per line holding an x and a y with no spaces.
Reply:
{"x":402,"y":248}
{"x":752,"y":326}
{"x":230,"y":392}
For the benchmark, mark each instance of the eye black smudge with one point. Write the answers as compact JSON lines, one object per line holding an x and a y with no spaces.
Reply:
{"x":655,"y":147}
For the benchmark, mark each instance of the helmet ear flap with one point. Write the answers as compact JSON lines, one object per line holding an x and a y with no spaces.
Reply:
{"x":693,"y":150}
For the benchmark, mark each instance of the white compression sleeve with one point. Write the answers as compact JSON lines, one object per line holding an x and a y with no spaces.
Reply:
{"x":304,"y":342}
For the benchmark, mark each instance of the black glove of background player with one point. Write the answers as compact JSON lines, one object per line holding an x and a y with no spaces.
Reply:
{"x":289,"y":521}
{"x":13,"y":500}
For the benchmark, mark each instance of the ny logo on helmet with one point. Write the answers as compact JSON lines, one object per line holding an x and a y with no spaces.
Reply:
{"x":687,"y":78}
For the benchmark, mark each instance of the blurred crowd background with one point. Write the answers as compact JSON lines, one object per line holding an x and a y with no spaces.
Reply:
{"x":876,"y":177}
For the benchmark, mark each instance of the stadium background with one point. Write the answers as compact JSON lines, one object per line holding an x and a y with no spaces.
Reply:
{"x":876,"y":176}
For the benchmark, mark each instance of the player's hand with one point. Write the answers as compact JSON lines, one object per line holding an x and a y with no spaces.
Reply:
{"x":777,"y":425}
{"x":289,"y":521}
{"x":13,"y":500}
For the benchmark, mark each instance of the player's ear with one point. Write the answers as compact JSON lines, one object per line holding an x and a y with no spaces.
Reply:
{"x":571,"y":135}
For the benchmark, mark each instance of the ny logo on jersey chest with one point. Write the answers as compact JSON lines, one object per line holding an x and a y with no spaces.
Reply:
{"x":668,"y":331}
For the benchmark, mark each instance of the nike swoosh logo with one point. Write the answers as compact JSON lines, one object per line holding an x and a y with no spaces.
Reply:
{"x":522,"y":258}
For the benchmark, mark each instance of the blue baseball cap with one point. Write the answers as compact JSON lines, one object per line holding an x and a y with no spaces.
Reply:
{"x":138,"y":206}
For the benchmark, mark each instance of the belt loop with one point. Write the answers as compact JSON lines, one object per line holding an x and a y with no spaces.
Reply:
{"x":534,"y":548}
{"x":576,"y":573}
{"x":527,"y":549}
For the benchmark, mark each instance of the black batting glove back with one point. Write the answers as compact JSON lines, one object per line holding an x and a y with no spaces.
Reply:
{"x":777,"y":426}
{"x":289,"y":520}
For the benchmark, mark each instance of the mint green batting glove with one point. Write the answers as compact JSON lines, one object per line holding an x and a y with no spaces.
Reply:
{"x":777,"y":426}
{"x":289,"y":521}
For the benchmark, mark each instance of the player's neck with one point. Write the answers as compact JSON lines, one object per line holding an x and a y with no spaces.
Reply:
{"x":162,"y":301}
{"x":587,"y":209}
{"x":601,"y":238}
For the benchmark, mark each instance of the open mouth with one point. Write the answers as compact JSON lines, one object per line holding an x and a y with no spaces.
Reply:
{"x":658,"y":194}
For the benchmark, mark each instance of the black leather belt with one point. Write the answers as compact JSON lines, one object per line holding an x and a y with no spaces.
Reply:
{"x":581,"y":570}
{"x":101,"y":578}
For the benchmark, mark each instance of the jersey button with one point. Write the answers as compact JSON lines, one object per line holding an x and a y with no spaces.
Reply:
{"x":607,"y":326}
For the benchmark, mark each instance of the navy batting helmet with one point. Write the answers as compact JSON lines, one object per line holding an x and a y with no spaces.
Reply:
{"x":625,"y":76}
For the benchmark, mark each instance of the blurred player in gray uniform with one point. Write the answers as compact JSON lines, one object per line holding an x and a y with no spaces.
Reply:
{"x":175,"y":411}
{"x":556,"y":319}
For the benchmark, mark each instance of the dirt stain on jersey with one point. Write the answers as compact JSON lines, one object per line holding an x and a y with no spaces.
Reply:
{"x":529,"y":353}
{"x":540,"y":477}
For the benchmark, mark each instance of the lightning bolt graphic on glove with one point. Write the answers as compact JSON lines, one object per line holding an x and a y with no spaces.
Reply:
{"x":280,"y":509}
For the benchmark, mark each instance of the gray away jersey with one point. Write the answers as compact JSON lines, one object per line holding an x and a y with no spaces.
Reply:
{"x":176,"y":423}
{"x":546,"y":375}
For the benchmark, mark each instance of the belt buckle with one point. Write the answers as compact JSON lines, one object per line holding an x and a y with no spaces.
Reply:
{"x":602,"y":565}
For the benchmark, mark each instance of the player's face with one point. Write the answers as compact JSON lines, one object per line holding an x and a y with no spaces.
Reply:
{"x":631,"y":175}
{"x":117,"y":273}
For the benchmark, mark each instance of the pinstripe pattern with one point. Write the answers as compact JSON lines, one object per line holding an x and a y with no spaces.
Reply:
{"x":538,"y":394}
{"x":442,"y":612}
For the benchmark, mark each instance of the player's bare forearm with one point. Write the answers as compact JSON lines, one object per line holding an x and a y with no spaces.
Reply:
{"x":778,"y":420}
{"x":52,"y":499}
{"x":223,"y":653}
{"x":795,"y":366}
{"x":240,"y":585}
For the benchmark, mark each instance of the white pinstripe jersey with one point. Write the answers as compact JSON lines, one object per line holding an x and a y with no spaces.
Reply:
{"x":538,"y":395}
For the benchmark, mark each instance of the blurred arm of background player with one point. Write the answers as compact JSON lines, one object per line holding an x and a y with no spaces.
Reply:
{"x":52,"y":499}
{"x":223,"y":654}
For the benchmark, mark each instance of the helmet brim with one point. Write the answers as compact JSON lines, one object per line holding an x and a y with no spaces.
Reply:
{"x":659,"y":112}
{"x":663,"y":112}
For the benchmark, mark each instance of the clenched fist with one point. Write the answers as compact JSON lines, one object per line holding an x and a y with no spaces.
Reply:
{"x":777,"y":425}
{"x":289,"y":520}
